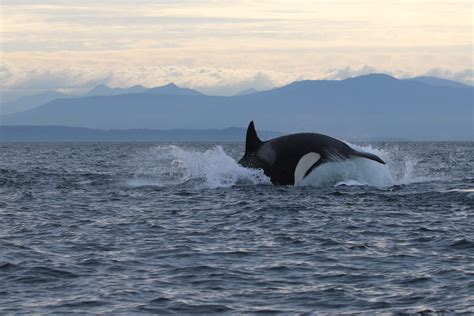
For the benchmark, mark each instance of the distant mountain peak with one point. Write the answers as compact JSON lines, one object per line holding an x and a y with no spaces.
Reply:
{"x":99,"y":89}
{"x":172,"y":89}
{"x":373,"y":76}
{"x":171,"y":85}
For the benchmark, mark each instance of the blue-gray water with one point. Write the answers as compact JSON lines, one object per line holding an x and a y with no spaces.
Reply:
{"x":130,"y":228}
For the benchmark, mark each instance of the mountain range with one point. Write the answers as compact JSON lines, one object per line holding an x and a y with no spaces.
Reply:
{"x":31,"y":101}
{"x":369,"y":106}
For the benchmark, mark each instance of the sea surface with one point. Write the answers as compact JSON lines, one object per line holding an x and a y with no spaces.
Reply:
{"x":111,"y":228}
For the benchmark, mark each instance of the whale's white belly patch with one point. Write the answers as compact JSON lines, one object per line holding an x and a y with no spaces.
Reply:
{"x":306,"y":162}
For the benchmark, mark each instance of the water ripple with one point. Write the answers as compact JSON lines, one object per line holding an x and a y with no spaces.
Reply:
{"x":114,"y":229}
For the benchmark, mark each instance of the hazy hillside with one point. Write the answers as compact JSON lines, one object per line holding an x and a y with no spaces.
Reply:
{"x":35,"y":100}
{"x":438,"y":82}
{"x":29,"y":102}
{"x":367,"y":106}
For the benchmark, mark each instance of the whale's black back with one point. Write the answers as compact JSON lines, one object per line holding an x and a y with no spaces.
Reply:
{"x":289,"y":149}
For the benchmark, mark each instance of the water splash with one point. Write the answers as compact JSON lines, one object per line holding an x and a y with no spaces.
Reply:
{"x":404,"y":168}
{"x":409,"y":175}
{"x":356,"y":171}
{"x":353,"y":172}
{"x":212,"y":168}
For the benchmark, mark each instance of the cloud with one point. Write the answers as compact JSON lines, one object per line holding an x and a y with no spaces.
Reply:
{"x":230,"y":85}
{"x":217,"y":81}
{"x":6,"y":74}
{"x":26,"y":81}
{"x":210,"y":80}
{"x":348,"y":72}
{"x":44,"y":78}
{"x":225,"y":46}
{"x":465,"y":75}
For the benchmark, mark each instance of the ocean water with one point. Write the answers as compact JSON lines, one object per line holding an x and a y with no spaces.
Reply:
{"x":181,"y":228}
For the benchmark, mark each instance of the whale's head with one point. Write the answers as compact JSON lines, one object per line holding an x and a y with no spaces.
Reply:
{"x":252,"y":145}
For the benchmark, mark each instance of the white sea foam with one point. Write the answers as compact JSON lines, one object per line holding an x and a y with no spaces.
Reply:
{"x":468,"y":190}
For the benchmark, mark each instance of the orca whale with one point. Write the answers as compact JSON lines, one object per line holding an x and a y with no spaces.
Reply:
{"x":287,"y":160}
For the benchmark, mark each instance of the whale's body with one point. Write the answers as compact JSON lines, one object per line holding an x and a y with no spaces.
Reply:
{"x":287,"y":160}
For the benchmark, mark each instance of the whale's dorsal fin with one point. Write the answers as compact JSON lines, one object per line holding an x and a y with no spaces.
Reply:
{"x":252,"y":142}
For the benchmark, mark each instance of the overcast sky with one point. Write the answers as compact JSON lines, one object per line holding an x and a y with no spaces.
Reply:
{"x":226,"y":46}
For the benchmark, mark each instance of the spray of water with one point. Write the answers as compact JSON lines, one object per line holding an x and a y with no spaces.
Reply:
{"x":352,"y":172}
{"x":213,"y":168}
